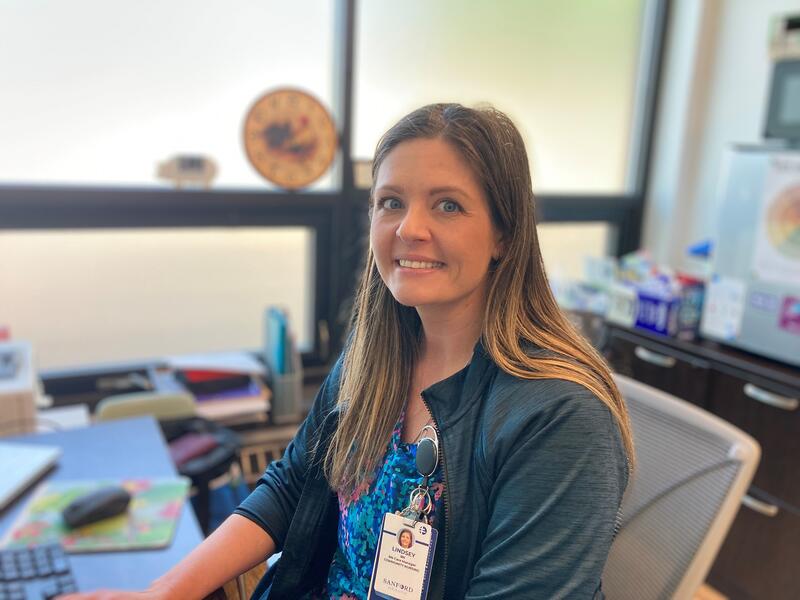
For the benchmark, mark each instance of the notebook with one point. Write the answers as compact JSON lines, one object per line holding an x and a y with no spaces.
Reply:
{"x":21,"y":465}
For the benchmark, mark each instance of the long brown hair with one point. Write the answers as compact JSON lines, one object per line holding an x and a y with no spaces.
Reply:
{"x":520,"y":308}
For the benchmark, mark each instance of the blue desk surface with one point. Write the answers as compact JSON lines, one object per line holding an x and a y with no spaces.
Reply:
{"x":126,"y":448}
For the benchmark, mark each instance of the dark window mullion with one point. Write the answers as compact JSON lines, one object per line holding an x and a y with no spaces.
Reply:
{"x":64,"y":208}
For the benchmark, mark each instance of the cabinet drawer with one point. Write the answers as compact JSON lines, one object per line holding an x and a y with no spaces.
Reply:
{"x":772,"y":417}
{"x":677,"y":374}
{"x":758,"y":560}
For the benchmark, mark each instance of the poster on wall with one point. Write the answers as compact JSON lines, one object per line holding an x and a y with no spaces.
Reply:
{"x":777,"y":250}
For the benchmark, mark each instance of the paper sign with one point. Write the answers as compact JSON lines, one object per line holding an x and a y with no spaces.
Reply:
{"x":724,"y":307}
{"x":777,"y":249}
{"x":790,"y":315}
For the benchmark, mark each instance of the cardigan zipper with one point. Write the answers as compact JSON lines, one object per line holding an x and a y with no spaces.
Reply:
{"x":446,"y":497}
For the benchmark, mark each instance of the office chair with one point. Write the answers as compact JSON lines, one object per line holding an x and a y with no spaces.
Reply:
{"x":693,"y":470}
{"x":176,"y":414}
{"x":163,"y":407}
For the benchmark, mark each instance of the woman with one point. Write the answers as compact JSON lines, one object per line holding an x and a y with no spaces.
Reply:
{"x":454,"y":329}
{"x":405,"y":538}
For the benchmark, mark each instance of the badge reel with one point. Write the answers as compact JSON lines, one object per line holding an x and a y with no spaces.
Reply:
{"x":404,"y":556}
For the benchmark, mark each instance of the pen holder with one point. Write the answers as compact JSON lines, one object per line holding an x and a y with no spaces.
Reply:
{"x":287,"y":394}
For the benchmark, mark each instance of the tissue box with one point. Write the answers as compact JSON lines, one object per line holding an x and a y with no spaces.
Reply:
{"x":676,"y":314}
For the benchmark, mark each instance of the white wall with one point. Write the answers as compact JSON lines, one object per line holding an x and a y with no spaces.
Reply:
{"x":717,"y":72}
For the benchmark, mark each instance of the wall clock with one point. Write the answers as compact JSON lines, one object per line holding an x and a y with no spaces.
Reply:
{"x":289,"y":138}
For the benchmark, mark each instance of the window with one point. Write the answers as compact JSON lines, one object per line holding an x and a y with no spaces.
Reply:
{"x":565,"y":247}
{"x":566,"y":72}
{"x":106,"y":296}
{"x":97,"y":92}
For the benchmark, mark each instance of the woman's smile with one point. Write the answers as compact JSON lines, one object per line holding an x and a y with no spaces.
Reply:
{"x":419,"y":265}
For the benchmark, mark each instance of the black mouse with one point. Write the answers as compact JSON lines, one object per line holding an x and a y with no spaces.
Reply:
{"x":97,"y":505}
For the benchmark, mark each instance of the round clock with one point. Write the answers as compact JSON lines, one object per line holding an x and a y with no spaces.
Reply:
{"x":289,"y":138}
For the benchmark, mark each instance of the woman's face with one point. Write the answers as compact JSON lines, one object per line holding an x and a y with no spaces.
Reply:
{"x":405,"y":539}
{"x":431,"y":230}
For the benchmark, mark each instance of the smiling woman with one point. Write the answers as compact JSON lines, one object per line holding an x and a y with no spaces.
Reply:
{"x":535,"y":440}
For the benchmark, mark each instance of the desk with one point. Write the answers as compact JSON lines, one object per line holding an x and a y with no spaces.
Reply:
{"x":127,"y":448}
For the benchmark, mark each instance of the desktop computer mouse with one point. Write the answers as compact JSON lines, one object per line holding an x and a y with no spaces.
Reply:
{"x":97,"y":505}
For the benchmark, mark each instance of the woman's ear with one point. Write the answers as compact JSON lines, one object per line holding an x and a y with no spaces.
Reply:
{"x":499,"y":250}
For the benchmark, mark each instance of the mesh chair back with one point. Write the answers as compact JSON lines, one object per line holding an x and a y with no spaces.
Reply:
{"x":692,"y":471}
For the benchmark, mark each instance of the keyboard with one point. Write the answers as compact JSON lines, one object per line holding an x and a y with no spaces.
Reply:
{"x":37,"y":573}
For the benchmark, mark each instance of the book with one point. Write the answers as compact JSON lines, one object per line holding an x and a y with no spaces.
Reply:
{"x":210,"y":383}
{"x":150,"y":521}
{"x":252,"y":399}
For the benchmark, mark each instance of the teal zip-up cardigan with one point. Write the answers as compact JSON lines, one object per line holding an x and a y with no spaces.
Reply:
{"x":534,"y":475}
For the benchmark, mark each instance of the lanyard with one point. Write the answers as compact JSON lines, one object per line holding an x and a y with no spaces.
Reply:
{"x":420,"y":504}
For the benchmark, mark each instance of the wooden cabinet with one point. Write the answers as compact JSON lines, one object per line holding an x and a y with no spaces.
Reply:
{"x":666,"y":368}
{"x":772,"y":417}
{"x":760,"y":556}
{"x":758,"y":560}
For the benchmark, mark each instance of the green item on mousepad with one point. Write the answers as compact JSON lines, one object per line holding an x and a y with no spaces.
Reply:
{"x":149,"y":522}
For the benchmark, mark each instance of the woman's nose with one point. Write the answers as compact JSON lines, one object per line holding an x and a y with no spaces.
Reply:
{"x":414,"y":227}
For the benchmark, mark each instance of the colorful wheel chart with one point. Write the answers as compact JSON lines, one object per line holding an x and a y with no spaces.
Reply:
{"x":783,"y":223}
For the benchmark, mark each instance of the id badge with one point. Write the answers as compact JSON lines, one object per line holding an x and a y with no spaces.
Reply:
{"x":403,"y":559}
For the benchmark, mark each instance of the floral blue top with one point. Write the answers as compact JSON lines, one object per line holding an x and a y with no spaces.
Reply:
{"x":361,"y":514}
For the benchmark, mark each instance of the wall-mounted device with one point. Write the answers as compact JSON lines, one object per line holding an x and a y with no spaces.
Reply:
{"x":783,"y":110}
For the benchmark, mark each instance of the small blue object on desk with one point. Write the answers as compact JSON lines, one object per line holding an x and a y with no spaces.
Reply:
{"x":276,"y":332}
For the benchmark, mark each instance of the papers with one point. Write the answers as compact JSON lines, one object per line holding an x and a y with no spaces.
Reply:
{"x":63,"y":417}
{"x":231,"y":362}
{"x":251,"y":402}
{"x":22,"y":465}
{"x":227,"y":386}
{"x":724,"y":307}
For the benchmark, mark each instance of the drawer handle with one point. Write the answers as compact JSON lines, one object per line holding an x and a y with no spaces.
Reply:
{"x":654,"y":358}
{"x":756,"y":393}
{"x":762,"y":508}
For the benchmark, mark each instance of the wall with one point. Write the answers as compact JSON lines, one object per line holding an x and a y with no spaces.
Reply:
{"x":716,"y":79}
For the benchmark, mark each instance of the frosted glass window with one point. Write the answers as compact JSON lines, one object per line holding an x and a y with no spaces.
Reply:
{"x":99,"y":92}
{"x":564,"y":70}
{"x":102,"y":296}
{"x":565,"y":247}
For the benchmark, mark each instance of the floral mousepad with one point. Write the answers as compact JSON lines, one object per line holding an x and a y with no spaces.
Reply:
{"x":149,"y":522}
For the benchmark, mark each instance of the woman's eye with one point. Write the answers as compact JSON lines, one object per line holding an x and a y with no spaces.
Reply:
{"x":449,"y":206}
{"x":390,"y":203}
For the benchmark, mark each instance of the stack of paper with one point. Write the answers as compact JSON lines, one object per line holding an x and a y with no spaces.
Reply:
{"x":227,"y":386}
